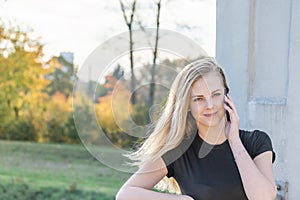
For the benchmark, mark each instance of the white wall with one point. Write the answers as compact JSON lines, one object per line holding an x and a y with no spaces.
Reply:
{"x":258,"y":45}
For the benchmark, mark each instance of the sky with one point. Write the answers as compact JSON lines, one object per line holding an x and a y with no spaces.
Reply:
{"x":80,"y":26}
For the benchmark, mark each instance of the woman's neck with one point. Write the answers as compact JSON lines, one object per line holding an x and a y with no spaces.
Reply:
{"x":212,"y":134}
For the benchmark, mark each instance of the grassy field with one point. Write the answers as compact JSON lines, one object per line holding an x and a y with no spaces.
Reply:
{"x":59,"y":167}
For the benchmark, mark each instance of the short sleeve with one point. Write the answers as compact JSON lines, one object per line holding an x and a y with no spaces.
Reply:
{"x":171,"y":157}
{"x":170,"y":165}
{"x":257,"y":142}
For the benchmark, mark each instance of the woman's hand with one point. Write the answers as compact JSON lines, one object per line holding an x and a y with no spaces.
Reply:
{"x":232,"y":126}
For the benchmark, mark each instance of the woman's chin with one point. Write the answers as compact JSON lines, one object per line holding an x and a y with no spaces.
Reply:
{"x":212,"y":122}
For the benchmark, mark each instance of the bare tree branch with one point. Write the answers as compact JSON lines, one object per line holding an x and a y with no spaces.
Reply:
{"x":132,"y":11}
{"x":128,"y":23}
{"x":123,"y":11}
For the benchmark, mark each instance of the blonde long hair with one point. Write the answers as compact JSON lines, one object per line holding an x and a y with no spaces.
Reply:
{"x":175,"y":122}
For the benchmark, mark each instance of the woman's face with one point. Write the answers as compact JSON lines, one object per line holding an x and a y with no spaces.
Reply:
{"x":207,"y":100}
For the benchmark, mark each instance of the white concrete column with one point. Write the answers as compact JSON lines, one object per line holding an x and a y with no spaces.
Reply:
{"x":232,"y":48}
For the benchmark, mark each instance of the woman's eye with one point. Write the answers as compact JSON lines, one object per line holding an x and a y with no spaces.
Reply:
{"x":216,"y":94}
{"x":198,"y":99}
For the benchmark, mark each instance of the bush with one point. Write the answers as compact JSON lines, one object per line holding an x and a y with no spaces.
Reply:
{"x":21,"y":191}
{"x":20,"y":129}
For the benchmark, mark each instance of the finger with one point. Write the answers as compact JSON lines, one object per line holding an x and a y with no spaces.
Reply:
{"x":229,"y":101}
{"x":228,"y":108}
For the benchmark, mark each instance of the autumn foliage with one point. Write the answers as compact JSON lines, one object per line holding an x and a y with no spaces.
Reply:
{"x":27,"y":111}
{"x":37,"y":98}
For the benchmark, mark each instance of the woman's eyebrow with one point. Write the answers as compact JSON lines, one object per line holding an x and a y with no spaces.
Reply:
{"x":201,"y":95}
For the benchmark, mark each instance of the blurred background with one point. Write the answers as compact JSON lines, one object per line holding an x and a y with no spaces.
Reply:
{"x":43,"y":46}
{"x":46,"y":45}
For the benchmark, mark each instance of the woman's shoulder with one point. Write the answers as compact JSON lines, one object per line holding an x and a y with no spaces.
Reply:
{"x":256,"y":142}
{"x":253,"y":134}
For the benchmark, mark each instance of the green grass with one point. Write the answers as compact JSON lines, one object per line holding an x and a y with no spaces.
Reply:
{"x":60,"y":167}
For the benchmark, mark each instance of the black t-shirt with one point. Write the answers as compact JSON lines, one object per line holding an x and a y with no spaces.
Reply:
{"x":209,"y":172}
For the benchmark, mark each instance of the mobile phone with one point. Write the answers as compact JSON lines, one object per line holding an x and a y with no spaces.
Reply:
{"x":227,"y":113}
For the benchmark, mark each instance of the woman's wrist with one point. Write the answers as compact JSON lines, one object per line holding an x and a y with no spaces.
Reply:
{"x":234,"y":140}
{"x":237,"y":147}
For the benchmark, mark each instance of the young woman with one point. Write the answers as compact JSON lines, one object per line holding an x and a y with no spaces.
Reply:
{"x":194,"y":142}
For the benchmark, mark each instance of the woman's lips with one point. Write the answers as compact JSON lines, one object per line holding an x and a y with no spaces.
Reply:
{"x":210,"y":114}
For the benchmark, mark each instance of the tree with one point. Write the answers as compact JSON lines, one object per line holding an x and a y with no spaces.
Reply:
{"x":22,"y":74}
{"x":129,"y":23}
{"x":112,"y":112}
{"x":22,"y":78}
{"x":56,"y":117}
{"x":152,"y":83}
{"x":62,"y":77}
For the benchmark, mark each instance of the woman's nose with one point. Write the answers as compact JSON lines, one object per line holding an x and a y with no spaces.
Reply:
{"x":209,"y":103}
